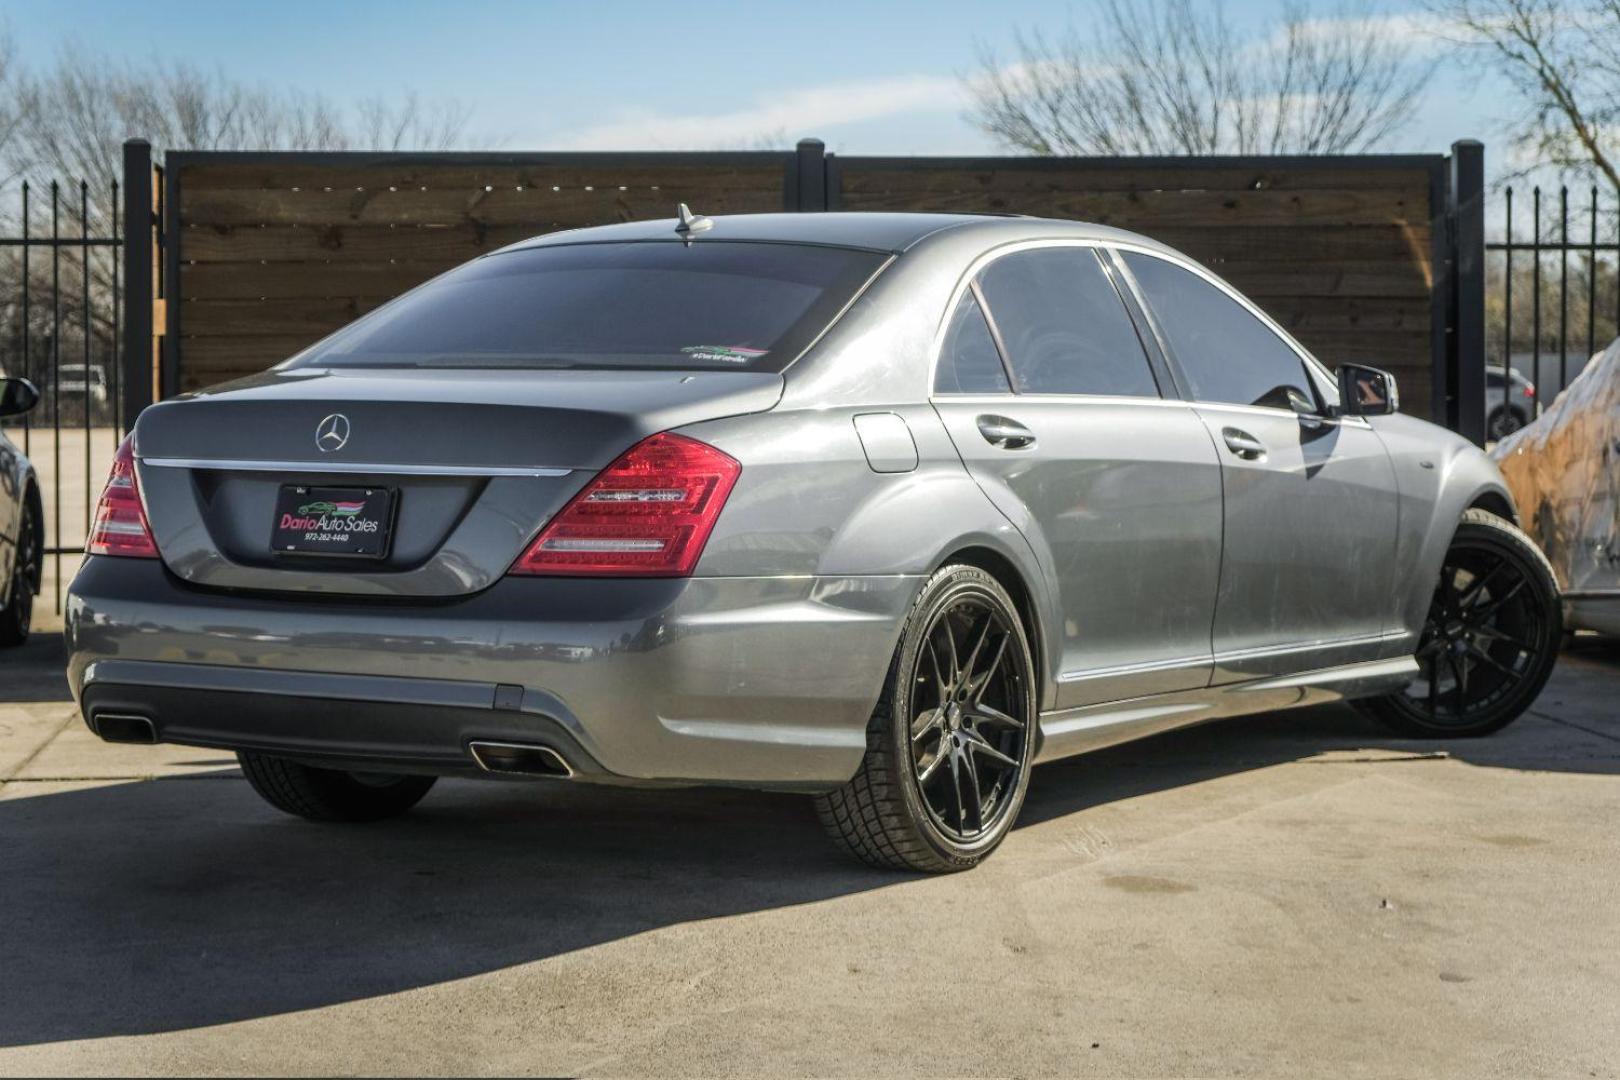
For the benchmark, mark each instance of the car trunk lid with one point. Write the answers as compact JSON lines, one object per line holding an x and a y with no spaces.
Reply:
{"x":475,"y":462}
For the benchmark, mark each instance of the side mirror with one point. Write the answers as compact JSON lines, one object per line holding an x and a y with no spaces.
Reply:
{"x":1366,"y":391}
{"x":17,"y":396}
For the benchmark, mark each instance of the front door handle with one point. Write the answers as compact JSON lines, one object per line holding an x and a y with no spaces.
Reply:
{"x":1243,"y":444}
{"x":1005,"y":433}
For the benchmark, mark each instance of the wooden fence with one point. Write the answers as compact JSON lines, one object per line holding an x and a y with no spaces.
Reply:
{"x":1363,"y":258}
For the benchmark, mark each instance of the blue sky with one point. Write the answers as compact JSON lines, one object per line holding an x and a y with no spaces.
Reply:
{"x":868,"y":77}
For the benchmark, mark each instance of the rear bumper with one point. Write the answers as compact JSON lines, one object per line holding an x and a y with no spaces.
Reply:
{"x":756,"y":681}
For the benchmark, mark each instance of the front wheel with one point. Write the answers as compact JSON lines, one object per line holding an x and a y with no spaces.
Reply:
{"x":330,"y":794}
{"x":1490,"y":640}
{"x":949,"y":746}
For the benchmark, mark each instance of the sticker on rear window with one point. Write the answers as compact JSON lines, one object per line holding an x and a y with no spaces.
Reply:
{"x":729,"y":354}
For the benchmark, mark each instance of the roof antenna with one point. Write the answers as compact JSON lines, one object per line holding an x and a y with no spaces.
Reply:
{"x":691,"y":224}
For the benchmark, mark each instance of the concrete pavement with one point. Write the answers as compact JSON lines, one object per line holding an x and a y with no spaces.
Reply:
{"x":1284,"y":895}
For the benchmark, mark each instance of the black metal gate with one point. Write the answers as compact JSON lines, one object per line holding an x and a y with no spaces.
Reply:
{"x":61,"y":300}
{"x":1542,"y":325}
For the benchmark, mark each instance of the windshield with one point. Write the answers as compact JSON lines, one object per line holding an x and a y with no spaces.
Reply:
{"x":707,"y":305}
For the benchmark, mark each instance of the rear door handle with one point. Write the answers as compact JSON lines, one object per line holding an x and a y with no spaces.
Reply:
{"x":1243,"y":444}
{"x":1005,"y":433}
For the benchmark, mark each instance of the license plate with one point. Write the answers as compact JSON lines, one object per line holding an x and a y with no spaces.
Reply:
{"x":333,"y":521}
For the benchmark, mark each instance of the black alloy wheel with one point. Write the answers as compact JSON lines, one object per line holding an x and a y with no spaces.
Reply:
{"x":967,"y":748}
{"x":951,"y":742}
{"x":1490,"y":639}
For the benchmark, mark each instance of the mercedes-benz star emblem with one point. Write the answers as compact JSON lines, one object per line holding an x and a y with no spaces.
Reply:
{"x":332,"y":433}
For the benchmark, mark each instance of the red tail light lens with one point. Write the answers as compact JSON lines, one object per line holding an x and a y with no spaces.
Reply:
{"x":646,"y":515}
{"x":120,"y":526}
{"x":1529,"y":389}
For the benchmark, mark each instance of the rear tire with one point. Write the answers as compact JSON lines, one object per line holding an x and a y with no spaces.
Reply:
{"x":949,"y":746}
{"x":330,"y":794}
{"x":1503,"y":422}
{"x":1490,"y":641}
{"x":17,"y":617}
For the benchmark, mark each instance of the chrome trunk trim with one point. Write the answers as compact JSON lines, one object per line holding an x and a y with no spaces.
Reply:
{"x":244,"y":465}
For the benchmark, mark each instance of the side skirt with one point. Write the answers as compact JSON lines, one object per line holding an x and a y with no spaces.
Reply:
{"x":1091,"y":727}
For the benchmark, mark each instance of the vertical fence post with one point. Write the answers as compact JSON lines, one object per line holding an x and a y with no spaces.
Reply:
{"x":27,"y":322}
{"x":167,"y":316}
{"x":1535,"y":293}
{"x":811,"y":172}
{"x":1466,"y":353}
{"x":1507,"y":313}
{"x":136,"y":377}
{"x":1563,"y":288}
{"x":1591,"y":281}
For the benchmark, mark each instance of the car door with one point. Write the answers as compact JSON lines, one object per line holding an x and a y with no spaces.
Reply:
{"x":1308,"y":563}
{"x":1054,"y":404}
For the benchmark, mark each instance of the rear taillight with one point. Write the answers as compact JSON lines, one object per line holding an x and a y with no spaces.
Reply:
{"x":646,"y":515}
{"x":120,"y":526}
{"x":1529,"y":389}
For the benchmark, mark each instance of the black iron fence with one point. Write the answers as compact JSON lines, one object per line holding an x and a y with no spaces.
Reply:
{"x":61,"y":316}
{"x":1553,"y":300}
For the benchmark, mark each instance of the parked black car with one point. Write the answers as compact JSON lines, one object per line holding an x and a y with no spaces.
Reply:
{"x":22,"y":525}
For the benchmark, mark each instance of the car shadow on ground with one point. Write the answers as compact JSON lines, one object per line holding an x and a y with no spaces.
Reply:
{"x":153,"y":906}
{"x":33,"y":672}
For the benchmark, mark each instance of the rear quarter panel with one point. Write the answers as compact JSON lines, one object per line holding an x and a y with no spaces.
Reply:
{"x":809,"y":504}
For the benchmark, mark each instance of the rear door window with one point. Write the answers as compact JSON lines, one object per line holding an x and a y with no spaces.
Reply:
{"x":707,"y":305}
{"x":1064,"y":326}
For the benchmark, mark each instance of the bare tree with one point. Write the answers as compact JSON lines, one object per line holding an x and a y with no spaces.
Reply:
{"x":1564,"y":59}
{"x":1172,"y":77}
{"x":68,"y":122}
{"x":10,"y":115}
{"x":74,"y":117}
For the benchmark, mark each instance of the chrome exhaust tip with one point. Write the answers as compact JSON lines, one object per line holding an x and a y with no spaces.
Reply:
{"x":123,"y":728}
{"x":519,"y":759}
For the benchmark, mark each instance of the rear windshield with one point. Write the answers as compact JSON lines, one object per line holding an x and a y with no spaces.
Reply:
{"x":708,"y":305}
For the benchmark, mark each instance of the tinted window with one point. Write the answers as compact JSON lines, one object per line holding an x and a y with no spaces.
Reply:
{"x":968,"y":360}
{"x":669,"y":305}
{"x":1228,"y":354}
{"x":1065,"y":328}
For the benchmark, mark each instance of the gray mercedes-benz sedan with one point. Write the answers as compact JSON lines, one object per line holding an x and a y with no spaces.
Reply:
{"x":885,"y":508}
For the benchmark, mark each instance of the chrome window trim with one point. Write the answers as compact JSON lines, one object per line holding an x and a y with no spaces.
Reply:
{"x":980,"y":261}
{"x":242,"y":465}
{"x":1077,"y":399}
{"x":1314,"y":419}
{"x":1314,"y":366}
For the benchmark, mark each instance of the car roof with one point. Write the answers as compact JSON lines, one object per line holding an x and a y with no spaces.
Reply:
{"x":885,"y":232}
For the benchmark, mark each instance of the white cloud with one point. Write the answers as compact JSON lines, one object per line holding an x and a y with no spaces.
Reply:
{"x":1421,"y":31}
{"x":789,"y":114}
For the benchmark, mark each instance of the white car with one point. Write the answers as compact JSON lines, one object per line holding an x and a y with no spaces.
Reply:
{"x":73,"y":381}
